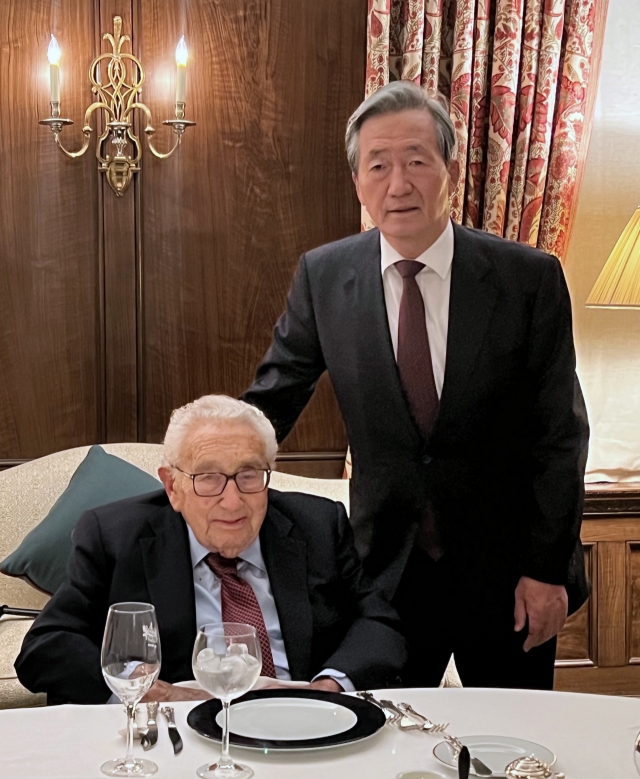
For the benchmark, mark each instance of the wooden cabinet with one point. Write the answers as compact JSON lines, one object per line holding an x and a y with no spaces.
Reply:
{"x":599,"y":648}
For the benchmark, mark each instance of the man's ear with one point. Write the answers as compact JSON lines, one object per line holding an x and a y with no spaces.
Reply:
{"x":454,"y":174}
{"x":168,"y":478}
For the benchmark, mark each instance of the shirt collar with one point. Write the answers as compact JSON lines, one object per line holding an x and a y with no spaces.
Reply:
{"x":252,"y":554}
{"x":438,"y":256}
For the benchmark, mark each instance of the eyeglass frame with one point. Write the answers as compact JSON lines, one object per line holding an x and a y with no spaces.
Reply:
{"x":192,"y":476}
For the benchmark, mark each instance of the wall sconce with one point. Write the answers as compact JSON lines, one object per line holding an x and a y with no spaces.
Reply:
{"x":118,"y":99}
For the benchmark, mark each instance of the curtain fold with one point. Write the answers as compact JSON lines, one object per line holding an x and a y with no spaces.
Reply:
{"x":515,"y":74}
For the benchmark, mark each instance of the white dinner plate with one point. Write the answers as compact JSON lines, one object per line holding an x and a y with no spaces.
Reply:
{"x":293,"y":719}
{"x":290,"y":720}
{"x":496,"y":752}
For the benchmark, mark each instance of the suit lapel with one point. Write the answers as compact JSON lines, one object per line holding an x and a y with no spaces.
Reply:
{"x":168,"y":571}
{"x":286,"y":561}
{"x":471,"y":305}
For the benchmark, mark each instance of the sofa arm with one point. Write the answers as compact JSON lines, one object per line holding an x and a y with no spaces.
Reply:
{"x":12,"y":694}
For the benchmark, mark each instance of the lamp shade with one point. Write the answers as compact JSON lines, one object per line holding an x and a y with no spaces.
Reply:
{"x":618,"y":285}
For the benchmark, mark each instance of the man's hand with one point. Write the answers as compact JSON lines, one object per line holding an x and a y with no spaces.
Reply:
{"x":326,"y":684}
{"x":163,"y":692}
{"x":545,"y":605}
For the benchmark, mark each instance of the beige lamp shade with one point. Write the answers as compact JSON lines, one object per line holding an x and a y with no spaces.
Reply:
{"x":618,"y":285}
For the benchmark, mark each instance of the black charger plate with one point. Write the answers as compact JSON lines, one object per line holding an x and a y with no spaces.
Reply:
{"x":369,"y":720}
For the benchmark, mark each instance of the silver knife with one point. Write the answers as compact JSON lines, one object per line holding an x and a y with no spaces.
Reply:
{"x":149,"y":735}
{"x":167,"y":711}
{"x":456,"y":747}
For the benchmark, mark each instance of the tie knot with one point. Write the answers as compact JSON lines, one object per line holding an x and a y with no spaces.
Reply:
{"x":222,"y":566}
{"x":409,"y":269}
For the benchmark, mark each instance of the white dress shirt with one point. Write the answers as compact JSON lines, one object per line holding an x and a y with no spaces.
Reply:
{"x":252,"y":569}
{"x":434,"y":282}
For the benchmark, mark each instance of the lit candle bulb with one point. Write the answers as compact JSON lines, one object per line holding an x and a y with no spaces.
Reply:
{"x":181,"y":62}
{"x":53,"y":55}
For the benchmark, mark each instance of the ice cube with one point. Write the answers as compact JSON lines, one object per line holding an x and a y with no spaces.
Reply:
{"x":238,"y":649}
{"x":235,"y":668}
{"x":208,"y":662}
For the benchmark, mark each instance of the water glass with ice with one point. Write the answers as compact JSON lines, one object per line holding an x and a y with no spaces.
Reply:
{"x":226,"y":662}
{"x":130,"y":665}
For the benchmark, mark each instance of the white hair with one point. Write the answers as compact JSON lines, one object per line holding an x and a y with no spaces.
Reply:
{"x":215,"y":408}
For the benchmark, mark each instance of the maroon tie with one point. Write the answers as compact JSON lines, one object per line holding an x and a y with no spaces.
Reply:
{"x":414,"y":354}
{"x":239,"y":604}
{"x":416,"y":374}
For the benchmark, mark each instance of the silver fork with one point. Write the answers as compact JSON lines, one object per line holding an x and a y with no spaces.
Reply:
{"x":430,"y":727}
{"x":395,"y":715}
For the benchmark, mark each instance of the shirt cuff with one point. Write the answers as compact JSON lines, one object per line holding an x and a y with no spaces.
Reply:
{"x":338,"y":677}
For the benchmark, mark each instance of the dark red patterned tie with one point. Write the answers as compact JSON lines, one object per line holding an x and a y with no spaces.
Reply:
{"x":239,"y":604}
{"x":416,"y":374}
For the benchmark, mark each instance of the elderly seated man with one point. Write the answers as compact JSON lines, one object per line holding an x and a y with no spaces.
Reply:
{"x":215,"y":544}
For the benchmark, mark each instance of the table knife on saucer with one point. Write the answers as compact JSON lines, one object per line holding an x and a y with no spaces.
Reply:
{"x":149,"y":736}
{"x":167,"y":711}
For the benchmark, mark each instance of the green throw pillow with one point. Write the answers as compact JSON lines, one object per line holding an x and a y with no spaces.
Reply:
{"x":41,"y":559}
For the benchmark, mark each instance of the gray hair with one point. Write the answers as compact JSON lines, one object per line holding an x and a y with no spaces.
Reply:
{"x":391,"y":99}
{"x":215,"y":408}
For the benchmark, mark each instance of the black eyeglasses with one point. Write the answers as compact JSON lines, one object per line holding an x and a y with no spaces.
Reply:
{"x":209,"y":485}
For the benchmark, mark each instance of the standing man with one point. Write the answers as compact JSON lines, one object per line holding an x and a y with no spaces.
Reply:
{"x":451,"y":354}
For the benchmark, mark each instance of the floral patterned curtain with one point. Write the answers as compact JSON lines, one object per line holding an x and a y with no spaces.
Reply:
{"x":515,"y":73}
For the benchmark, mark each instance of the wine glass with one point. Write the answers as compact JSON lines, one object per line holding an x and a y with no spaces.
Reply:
{"x":130,"y":665}
{"x":226,"y":662}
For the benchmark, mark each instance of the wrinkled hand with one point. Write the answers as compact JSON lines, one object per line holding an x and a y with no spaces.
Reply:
{"x":327,"y":685}
{"x":545,"y":605}
{"x":163,"y":692}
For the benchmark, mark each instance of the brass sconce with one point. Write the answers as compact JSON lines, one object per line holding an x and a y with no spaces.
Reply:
{"x":118,"y":99}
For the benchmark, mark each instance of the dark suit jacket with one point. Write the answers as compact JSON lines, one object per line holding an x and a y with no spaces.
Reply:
{"x":138,"y":550}
{"x":504,"y":463}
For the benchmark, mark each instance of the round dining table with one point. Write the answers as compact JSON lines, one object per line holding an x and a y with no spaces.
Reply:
{"x":592,"y":737}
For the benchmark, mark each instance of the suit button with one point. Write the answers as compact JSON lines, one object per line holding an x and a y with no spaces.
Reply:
{"x":426,"y":459}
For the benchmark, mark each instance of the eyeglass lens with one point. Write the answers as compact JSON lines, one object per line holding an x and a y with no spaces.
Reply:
{"x":211,"y":484}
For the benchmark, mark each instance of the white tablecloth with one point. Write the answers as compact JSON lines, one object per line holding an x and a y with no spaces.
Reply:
{"x":592,"y":736}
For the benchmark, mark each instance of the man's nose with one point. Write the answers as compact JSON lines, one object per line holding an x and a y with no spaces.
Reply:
{"x":399,"y":184}
{"x":231,"y":496}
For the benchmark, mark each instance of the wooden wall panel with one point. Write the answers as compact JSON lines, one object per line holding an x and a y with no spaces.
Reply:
{"x":50,"y":310}
{"x":119,"y":254}
{"x":633,"y":601}
{"x":259,"y":180}
{"x":577,"y":643}
{"x":612,"y":604}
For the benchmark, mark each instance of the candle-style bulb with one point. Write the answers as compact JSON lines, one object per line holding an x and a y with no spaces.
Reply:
{"x":181,"y":66}
{"x":53,"y":55}
{"x":53,"y":52}
{"x":182,"y":53}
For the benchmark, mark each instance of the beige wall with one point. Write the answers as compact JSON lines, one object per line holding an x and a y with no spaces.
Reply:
{"x":608,"y":341}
